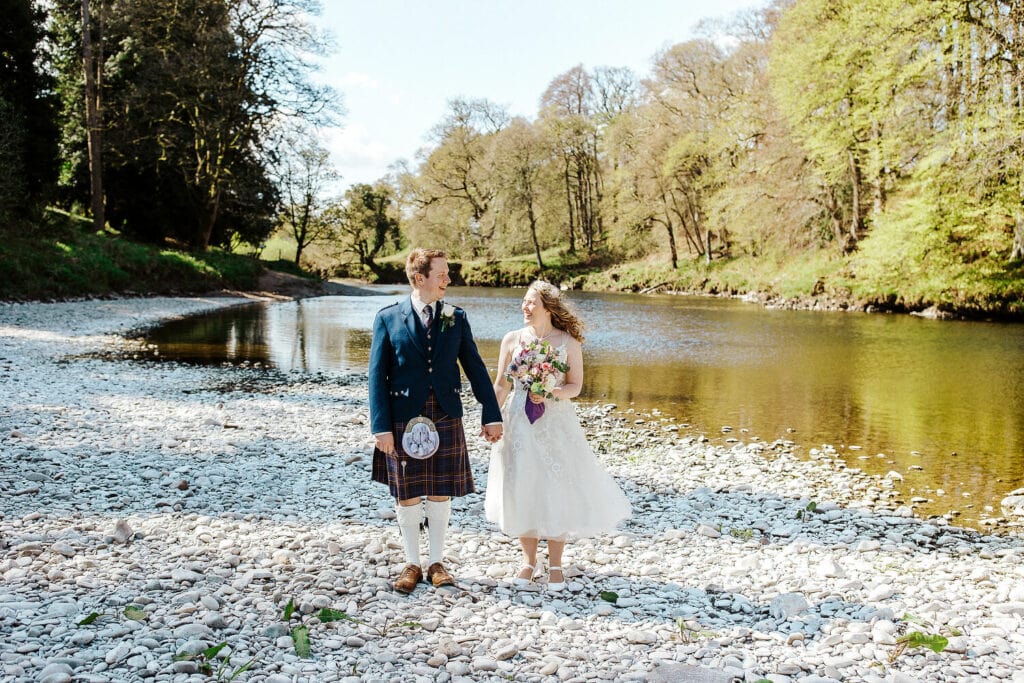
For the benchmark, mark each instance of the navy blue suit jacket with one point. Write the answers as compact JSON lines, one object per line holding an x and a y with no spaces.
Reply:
{"x":405,"y":366}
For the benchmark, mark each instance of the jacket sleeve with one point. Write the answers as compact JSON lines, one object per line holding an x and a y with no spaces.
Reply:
{"x":476,"y":372}
{"x":379,"y":374}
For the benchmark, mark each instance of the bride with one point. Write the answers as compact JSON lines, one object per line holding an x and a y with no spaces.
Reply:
{"x":544,"y":480}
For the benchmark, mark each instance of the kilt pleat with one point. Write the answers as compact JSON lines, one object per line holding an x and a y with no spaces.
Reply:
{"x":446,"y":473}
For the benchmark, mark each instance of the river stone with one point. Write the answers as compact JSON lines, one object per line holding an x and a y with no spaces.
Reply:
{"x":640,"y":637}
{"x":181,"y":575}
{"x":118,"y":654}
{"x":122,"y":532}
{"x":1013,"y":503}
{"x":670,"y":672}
{"x":787,"y":605}
{"x":58,"y":677}
{"x":56,"y":669}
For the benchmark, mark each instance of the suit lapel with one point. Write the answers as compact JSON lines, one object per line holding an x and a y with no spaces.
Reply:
{"x":411,"y":318}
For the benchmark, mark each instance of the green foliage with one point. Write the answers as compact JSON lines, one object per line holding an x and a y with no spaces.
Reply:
{"x":366,"y":225}
{"x":500,"y":274}
{"x":866,"y":152}
{"x":932,"y":641}
{"x":806,"y":512}
{"x":688,"y":632}
{"x":134,"y":613}
{"x":92,"y":617}
{"x":63,"y":262}
{"x":609,"y":596}
{"x":300,"y":638}
{"x":194,"y":94}
{"x":205,"y":659}
{"x":930,"y":249}
{"x":28,"y":129}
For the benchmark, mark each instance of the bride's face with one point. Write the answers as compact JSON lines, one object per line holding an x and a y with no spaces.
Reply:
{"x":534,"y":313}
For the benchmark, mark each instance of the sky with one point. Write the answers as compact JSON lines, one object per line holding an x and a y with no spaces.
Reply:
{"x":397,"y":63}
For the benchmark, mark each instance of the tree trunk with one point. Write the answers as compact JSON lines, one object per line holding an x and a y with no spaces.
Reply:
{"x":93,"y":118}
{"x":533,"y":232}
{"x":835,"y":215}
{"x":855,"y":221}
{"x":568,"y":199}
{"x":1017,"y":253}
{"x":672,"y":243}
{"x":671,"y":234}
{"x":707,"y":253}
{"x":209,"y":218}
{"x":878,"y":179}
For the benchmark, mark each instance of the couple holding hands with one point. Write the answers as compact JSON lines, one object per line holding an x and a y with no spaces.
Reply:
{"x":544,"y":481}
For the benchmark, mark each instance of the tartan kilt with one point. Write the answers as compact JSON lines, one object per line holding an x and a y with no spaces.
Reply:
{"x":445,"y":473}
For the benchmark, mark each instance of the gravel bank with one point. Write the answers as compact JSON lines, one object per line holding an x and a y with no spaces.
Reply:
{"x":187,"y":506}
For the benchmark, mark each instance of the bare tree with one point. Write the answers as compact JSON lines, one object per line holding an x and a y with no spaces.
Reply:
{"x":305,"y":176}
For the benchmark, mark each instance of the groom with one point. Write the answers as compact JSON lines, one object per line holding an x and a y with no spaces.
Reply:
{"x":417,"y":347}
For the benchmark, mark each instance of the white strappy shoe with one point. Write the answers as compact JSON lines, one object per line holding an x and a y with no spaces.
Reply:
{"x":555,"y":586}
{"x":517,"y":581}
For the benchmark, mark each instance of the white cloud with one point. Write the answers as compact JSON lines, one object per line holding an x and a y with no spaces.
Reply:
{"x":357,"y":156}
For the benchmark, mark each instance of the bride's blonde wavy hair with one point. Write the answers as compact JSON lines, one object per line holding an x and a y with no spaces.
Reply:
{"x":563,"y":317}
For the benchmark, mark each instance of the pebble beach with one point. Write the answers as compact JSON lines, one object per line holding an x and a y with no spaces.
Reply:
{"x":151,"y":511}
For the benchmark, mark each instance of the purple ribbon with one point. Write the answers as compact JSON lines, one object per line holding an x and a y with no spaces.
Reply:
{"x":533,"y":410}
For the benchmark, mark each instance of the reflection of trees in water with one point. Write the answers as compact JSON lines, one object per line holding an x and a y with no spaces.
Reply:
{"x":229,"y":334}
{"x":829,"y":398}
{"x":300,"y":338}
{"x":889,"y":384}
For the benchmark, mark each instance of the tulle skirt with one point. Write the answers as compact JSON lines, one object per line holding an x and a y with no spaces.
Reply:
{"x":544,"y":480}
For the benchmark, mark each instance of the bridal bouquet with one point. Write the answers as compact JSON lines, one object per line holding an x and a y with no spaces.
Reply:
{"x":535,"y":368}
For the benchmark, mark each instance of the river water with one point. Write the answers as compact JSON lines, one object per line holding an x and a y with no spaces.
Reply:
{"x":941,"y":403}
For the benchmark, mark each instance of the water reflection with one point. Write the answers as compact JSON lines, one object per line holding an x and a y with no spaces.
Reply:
{"x":945,"y":397}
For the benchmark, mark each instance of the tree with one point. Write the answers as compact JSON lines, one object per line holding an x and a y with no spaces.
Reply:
{"x":92,"y":61}
{"x":193,"y":92}
{"x":304,"y":176}
{"x":455,"y":187}
{"x":518,"y":159}
{"x":28,"y":132}
{"x":567,"y":108}
{"x":365,"y":224}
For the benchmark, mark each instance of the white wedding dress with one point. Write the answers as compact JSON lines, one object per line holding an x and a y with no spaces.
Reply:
{"x":544,"y":480}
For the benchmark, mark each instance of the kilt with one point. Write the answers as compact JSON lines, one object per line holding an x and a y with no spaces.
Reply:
{"x":446,"y":473}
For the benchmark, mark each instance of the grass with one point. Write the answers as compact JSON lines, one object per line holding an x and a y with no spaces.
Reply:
{"x":64,"y":259}
{"x":899,"y":267}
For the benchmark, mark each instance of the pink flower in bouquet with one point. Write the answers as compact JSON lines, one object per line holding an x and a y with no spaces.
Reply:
{"x":536,"y":368}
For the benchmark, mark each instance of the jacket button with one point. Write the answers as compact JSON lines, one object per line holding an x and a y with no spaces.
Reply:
{"x":430,"y":369}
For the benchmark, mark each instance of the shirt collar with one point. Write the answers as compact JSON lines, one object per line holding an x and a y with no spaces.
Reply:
{"x":418,"y":303}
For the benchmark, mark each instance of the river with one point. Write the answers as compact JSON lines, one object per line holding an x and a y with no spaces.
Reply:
{"x":941,"y":403}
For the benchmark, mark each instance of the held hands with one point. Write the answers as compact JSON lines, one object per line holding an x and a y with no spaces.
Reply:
{"x":492,"y":433}
{"x":539,"y":398}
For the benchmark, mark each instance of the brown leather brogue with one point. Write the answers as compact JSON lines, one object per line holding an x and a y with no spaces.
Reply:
{"x":439,"y":576}
{"x":409,"y":578}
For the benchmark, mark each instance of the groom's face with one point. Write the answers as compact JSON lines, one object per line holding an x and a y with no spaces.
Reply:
{"x":432,"y":286}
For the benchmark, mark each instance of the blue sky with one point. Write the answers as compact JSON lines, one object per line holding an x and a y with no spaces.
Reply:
{"x":398,"y":63}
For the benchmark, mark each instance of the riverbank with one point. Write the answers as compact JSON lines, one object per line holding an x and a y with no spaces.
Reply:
{"x":812,"y":281}
{"x":187,"y":505}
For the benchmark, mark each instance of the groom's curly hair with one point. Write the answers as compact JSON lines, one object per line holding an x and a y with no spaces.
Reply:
{"x":563,"y":317}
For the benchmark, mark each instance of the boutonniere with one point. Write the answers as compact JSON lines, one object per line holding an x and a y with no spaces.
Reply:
{"x":447,"y":316}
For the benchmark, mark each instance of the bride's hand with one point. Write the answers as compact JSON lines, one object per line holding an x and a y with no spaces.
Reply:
{"x":537,"y":398}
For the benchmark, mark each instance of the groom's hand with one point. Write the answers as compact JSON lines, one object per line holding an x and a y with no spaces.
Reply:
{"x":492,"y":433}
{"x":385,"y":443}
